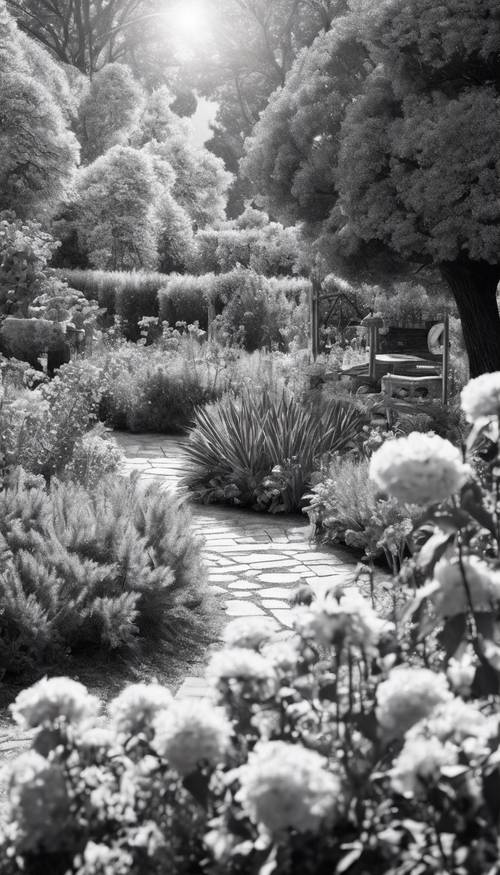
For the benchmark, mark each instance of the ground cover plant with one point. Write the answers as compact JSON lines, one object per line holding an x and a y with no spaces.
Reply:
{"x":259,"y":449}
{"x":361,"y":742}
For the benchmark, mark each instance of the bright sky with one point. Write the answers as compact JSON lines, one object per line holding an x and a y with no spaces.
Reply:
{"x":188,"y":21}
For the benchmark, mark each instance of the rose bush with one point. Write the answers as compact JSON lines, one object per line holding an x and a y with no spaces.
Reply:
{"x":352,"y":743}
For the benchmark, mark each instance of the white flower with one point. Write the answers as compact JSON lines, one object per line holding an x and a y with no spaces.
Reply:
{"x":240,"y":664}
{"x":249,"y":632}
{"x":419,"y":764}
{"x":99,"y":859}
{"x":190,"y":733}
{"x":407,"y":696}
{"x":283,"y":655}
{"x":419,"y":469}
{"x":481,"y":396}
{"x":39,"y":801}
{"x":450,"y":597}
{"x":461,"y":672}
{"x":133,"y":711}
{"x":285,"y":785}
{"x":52,"y":700}
{"x":348,"y":617}
{"x":459,"y":722}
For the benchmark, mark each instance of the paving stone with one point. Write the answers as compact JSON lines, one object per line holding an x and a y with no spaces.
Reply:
{"x":275,"y":592}
{"x":241,"y":608}
{"x":221,"y":578}
{"x":278,"y":577}
{"x":285,"y":618}
{"x":215,"y":588}
{"x":275,"y":603}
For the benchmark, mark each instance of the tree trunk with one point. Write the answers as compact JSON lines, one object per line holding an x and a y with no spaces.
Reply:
{"x":474,"y":287}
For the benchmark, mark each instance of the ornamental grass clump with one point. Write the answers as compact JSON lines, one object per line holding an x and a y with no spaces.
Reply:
{"x":258,"y":450}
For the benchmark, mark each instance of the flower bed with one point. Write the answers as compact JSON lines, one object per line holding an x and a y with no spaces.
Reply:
{"x":358,"y":743}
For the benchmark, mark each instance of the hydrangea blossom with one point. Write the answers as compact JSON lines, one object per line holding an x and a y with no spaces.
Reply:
{"x":242,"y":665}
{"x":461,"y":672}
{"x":250,"y":632}
{"x":190,"y":733}
{"x":285,"y":785}
{"x":100,"y":859}
{"x":450,"y":596}
{"x":481,"y":396}
{"x":52,"y":700}
{"x":459,"y":722}
{"x":346,"y":617}
{"x":133,"y":711}
{"x":407,"y":696}
{"x":419,"y":469}
{"x":419,"y":764}
{"x":39,"y":799}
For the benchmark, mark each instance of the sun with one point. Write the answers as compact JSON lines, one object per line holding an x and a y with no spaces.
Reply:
{"x":188,"y":21}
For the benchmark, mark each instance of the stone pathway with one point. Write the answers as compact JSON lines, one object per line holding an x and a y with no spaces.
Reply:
{"x":254,"y":560}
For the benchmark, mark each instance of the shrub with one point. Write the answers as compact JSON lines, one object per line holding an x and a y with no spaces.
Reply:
{"x":156,"y":389}
{"x":345,"y":508}
{"x":28,"y":339}
{"x":259,"y":451}
{"x":94,"y":456}
{"x":186,"y":298}
{"x":106,"y":568}
{"x":41,"y":428}
{"x":25,"y":250}
{"x":129,"y":294}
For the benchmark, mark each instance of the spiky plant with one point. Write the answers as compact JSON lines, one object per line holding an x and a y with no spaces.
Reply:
{"x":259,"y":450}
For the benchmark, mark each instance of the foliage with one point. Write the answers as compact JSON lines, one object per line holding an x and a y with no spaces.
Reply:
{"x":95,"y":455}
{"x":345,"y":507}
{"x":88,"y":569}
{"x":252,"y":313}
{"x":175,"y":240}
{"x":185,"y":298}
{"x":28,"y":339}
{"x":107,"y":286}
{"x":157,"y":388}
{"x":269,"y":249}
{"x":25,"y":250}
{"x":109,"y":112}
{"x":362,"y":116}
{"x":38,"y":152}
{"x":101,"y":33}
{"x":41,"y":428}
{"x":260,"y":451}
{"x":115,"y":221}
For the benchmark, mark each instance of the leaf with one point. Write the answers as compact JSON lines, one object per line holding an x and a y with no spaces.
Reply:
{"x":270,"y":865}
{"x":453,"y":634}
{"x":198,"y":785}
{"x":454,"y":771}
{"x":491,"y":793}
{"x":433,"y":550}
{"x":346,"y":862}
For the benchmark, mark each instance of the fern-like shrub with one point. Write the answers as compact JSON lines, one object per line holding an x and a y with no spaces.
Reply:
{"x":345,"y":508}
{"x":259,"y":450}
{"x":82,"y":570}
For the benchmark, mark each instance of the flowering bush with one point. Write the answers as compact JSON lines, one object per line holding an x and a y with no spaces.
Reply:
{"x":353,"y":743}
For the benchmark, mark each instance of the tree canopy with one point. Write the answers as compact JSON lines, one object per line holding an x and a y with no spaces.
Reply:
{"x":384,"y":140}
{"x":38,"y":153}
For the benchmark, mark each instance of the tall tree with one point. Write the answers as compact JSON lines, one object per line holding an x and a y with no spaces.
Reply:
{"x":90,"y":33}
{"x":38,"y":153}
{"x":384,"y":140}
{"x":110,"y":111}
{"x":250,"y":48}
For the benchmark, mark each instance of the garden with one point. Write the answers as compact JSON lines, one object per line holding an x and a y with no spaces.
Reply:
{"x":263,"y":239}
